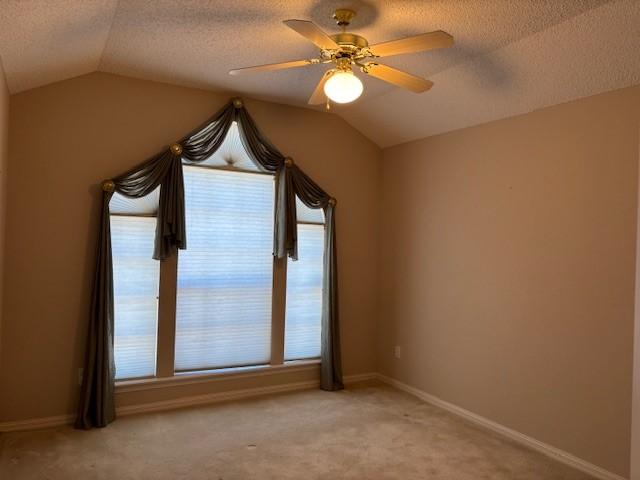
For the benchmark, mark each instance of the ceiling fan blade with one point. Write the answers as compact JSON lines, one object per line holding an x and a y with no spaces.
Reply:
{"x":398,"y":77}
{"x":318,"y":97}
{"x":312,"y":32}
{"x":417,"y":43}
{"x":274,"y":66}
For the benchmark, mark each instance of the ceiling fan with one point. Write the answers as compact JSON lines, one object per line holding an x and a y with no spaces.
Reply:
{"x":345,"y":49}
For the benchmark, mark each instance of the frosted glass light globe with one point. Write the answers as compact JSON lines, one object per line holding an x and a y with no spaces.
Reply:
{"x":343,"y":87}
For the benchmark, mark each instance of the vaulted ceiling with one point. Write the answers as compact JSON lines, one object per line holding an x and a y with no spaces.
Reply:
{"x":510,"y":56}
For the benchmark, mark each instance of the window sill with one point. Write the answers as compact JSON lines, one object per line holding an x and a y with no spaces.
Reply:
{"x":213,"y":376}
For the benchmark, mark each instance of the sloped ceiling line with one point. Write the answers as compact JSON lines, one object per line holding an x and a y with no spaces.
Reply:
{"x":106,"y":41}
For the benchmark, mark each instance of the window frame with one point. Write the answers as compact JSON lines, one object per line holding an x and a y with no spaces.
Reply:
{"x":167,"y":301}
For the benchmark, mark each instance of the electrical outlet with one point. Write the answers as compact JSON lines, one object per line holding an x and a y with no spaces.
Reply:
{"x":80,"y":373}
{"x":397,"y":351}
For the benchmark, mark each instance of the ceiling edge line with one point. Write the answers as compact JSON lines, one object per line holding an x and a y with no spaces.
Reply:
{"x":108,"y":36}
{"x":3,"y":72}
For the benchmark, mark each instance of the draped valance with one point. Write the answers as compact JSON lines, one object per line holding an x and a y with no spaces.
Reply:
{"x":164,"y":170}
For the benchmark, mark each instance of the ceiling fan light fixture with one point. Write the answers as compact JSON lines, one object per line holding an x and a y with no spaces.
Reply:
{"x":343,"y":87}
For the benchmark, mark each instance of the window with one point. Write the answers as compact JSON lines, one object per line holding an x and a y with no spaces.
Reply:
{"x":223,"y":313}
{"x":304,"y":288}
{"x":135,"y":288}
{"x":222,"y":292}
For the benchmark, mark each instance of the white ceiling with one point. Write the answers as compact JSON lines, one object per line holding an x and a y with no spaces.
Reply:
{"x":510,"y":57}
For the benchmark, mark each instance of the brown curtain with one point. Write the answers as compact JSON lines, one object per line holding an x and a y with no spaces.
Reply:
{"x":314,"y":197}
{"x":97,"y":406}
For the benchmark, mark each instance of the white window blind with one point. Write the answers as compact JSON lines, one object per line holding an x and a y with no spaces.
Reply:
{"x":223,"y":313}
{"x":304,"y":295}
{"x":135,"y":287}
{"x":308,"y":215}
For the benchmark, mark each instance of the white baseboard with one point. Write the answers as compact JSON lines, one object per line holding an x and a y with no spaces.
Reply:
{"x":232,"y":395}
{"x":553,"y":452}
{"x":359,"y":377}
{"x":213,"y":398}
{"x":59,"y":420}
{"x":548,"y":450}
{"x":36,"y":423}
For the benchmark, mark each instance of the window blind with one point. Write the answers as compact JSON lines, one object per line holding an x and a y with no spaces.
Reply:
{"x":135,"y":287}
{"x":306,"y":214}
{"x":304,"y":295}
{"x":223,"y":312}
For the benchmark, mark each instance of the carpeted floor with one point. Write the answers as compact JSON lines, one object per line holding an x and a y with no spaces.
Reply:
{"x":367,"y":432}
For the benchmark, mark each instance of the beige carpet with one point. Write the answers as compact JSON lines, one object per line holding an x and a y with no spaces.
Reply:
{"x":367,"y":432}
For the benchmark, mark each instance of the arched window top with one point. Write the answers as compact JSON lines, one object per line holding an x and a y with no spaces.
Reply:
{"x":141,"y":206}
{"x":231,"y":154}
{"x":308,"y":215}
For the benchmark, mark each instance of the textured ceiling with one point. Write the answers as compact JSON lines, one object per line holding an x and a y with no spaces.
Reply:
{"x":510,"y":57}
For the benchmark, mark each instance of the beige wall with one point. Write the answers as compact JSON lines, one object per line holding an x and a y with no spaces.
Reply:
{"x":506,"y":256}
{"x":4,"y":160}
{"x":507,"y":272}
{"x":66,"y":138}
{"x":635,"y":413}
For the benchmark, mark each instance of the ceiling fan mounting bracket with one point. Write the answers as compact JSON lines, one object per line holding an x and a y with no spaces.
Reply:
{"x":343,"y":16}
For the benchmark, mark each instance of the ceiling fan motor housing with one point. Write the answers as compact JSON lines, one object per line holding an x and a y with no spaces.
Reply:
{"x":353,"y":49}
{"x":351,"y":45}
{"x":350,"y":40}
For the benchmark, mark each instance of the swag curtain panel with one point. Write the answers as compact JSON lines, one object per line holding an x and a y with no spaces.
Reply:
{"x":164,"y":170}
